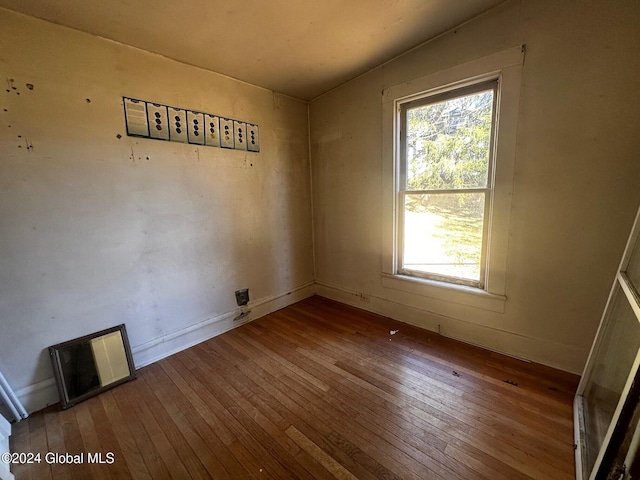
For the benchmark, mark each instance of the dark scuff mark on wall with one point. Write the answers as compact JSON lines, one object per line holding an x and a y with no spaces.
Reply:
{"x":28,"y":145}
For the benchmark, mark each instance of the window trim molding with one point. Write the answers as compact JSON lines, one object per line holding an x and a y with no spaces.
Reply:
{"x":506,"y":66}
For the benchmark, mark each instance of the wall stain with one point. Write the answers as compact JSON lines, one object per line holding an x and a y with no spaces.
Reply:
{"x":11,"y":87}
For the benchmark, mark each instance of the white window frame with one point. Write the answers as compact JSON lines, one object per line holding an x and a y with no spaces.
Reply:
{"x":430,"y":98}
{"x":506,"y":67}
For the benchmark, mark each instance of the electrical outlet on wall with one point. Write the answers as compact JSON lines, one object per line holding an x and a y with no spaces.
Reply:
{"x":226,"y":133}
{"x":196,"y":128}
{"x":242,"y":297}
{"x":240,"y":135}
{"x":177,"y":125}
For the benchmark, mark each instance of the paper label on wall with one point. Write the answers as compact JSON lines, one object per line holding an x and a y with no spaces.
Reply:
{"x":177,"y":125}
{"x":253,"y":137}
{"x":240,"y":135}
{"x":195,"y":127}
{"x":158,"y":121}
{"x":212,"y":130}
{"x":135,"y":114}
{"x":226,"y":132}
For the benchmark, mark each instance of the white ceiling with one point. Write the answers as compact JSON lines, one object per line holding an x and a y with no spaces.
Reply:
{"x":301,"y":48}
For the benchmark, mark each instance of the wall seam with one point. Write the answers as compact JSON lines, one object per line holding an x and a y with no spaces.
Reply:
{"x":311,"y":202}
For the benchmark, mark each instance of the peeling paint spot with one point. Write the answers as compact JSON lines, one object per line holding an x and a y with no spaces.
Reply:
{"x":393,"y":332}
{"x":88,"y":100}
{"x":30,"y":86}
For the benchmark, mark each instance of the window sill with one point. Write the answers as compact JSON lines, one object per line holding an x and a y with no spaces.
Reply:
{"x":448,"y":292}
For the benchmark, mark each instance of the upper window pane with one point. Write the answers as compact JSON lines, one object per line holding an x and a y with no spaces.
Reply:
{"x":448,"y":143}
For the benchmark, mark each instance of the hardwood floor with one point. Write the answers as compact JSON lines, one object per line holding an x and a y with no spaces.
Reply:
{"x":318,"y":390}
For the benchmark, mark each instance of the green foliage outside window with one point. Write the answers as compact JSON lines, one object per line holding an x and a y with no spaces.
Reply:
{"x":448,"y":148}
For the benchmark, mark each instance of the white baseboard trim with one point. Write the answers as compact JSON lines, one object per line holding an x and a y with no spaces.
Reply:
{"x":5,"y":433}
{"x":39,"y":395}
{"x":159,"y":348}
{"x":563,"y":357}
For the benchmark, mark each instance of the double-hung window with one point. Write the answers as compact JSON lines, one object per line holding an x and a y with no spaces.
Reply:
{"x":449,"y":147}
{"x":446,"y":183}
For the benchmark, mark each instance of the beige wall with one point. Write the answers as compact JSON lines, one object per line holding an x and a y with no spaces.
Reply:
{"x":576,"y":184}
{"x":97,"y":230}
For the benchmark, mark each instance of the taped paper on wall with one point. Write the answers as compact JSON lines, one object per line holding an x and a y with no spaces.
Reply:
{"x":135,"y":114}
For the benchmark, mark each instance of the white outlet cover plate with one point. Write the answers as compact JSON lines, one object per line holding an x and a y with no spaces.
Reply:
{"x":158,"y":122}
{"x":211,"y":130}
{"x":196,"y":129}
{"x":253,"y":137}
{"x":226,"y":133}
{"x":240,"y":135}
{"x":178,"y":124}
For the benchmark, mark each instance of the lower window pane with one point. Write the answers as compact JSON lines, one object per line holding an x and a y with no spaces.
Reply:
{"x":443,"y":234}
{"x":612,"y":363}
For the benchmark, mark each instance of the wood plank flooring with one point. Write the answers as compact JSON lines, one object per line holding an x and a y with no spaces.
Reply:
{"x":318,"y":390}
